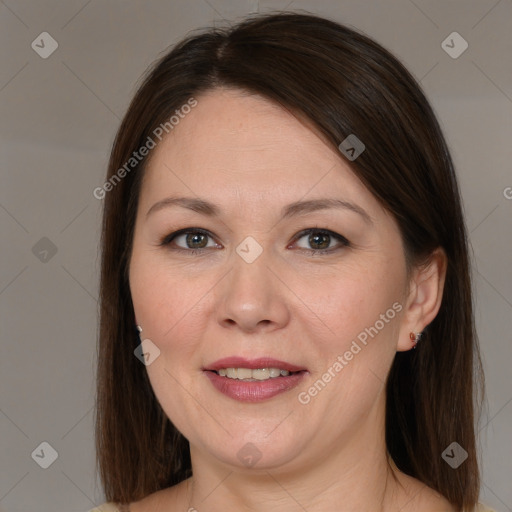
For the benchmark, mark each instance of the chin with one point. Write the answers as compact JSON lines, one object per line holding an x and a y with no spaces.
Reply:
{"x":256,"y":450}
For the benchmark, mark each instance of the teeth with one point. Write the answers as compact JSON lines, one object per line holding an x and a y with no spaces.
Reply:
{"x":252,"y":375}
{"x":261,"y":374}
{"x":243,"y":373}
{"x":275,"y":372}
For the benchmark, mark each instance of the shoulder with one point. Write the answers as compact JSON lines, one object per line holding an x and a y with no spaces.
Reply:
{"x":170,"y":499}
{"x":109,"y":507}
{"x":483,"y":508}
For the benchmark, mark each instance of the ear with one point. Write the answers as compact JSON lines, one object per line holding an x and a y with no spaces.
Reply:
{"x":424,"y":299}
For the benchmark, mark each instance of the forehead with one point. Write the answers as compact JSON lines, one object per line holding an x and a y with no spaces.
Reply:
{"x":238,"y":143}
{"x":241,"y":123}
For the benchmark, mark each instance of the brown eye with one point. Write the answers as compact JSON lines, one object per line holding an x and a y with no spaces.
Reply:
{"x":196,"y":240}
{"x":320,"y":240}
{"x":189,"y":240}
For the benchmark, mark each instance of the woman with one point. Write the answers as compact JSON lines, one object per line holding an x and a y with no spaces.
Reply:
{"x":286,"y":311}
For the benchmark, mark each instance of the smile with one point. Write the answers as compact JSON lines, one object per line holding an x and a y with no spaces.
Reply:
{"x":253,"y":380}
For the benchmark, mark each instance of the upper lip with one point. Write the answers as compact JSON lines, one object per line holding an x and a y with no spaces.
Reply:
{"x":254,"y":364}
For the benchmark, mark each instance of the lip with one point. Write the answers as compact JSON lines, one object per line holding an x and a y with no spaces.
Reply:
{"x":255,"y":391}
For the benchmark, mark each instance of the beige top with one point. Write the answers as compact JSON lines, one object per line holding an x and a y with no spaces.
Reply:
{"x":484,"y":508}
{"x":112,"y":507}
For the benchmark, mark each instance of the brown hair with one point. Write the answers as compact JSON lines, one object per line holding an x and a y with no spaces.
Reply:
{"x":343,"y":83}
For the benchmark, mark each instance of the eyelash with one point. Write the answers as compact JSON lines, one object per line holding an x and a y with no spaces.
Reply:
{"x":169,"y":238}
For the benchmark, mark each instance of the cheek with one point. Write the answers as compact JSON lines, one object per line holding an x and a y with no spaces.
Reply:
{"x":353,"y":299}
{"x":362,"y":312}
{"x":167,"y":309}
{"x":164,"y":298}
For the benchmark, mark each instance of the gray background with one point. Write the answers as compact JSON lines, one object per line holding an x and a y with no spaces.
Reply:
{"x":59,"y":116}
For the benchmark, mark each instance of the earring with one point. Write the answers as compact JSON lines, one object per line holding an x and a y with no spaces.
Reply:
{"x":139,"y":328}
{"x":415,"y":337}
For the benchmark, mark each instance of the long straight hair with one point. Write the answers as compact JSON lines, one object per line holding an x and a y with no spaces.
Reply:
{"x":341,"y":82}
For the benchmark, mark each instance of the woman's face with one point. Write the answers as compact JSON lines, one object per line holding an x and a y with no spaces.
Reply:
{"x":258,"y":286}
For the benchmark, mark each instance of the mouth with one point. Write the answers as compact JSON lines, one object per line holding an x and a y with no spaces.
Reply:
{"x":253,"y":380}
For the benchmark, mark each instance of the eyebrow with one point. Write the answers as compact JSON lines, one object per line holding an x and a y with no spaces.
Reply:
{"x":292,"y":210}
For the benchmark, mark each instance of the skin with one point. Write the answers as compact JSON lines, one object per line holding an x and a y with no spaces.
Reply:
{"x":252,"y":158}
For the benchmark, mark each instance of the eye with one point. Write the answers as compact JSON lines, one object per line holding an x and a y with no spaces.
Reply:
{"x":320,"y":240}
{"x":195,"y":241}
{"x":192,"y":239}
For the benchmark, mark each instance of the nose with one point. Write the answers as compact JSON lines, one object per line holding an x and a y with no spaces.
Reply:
{"x":252,"y":297}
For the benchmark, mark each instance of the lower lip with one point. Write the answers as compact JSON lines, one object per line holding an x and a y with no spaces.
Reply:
{"x":255,"y":391}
